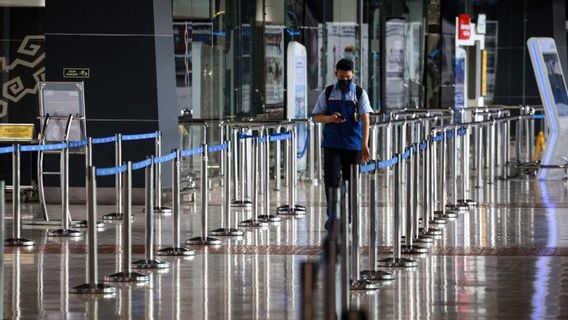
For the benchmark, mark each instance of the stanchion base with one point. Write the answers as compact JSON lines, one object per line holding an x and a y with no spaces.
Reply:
{"x":42,"y":223}
{"x":431,"y":232}
{"x":469,"y":202}
{"x":269,"y":218}
{"x":84,"y":224}
{"x":95,"y":288}
{"x":286,"y":210}
{"x":163,"y":210}
{"x":398,"y":263}
{"x":438,"y":221}
{"x":150,"y":264}
{"x":425,"y":239}
{"x":69,"y":233}
{"x":112,"y":216}
{"x":450,"y":215}
{"x":176,"y":252}
{"x":377,"y":275}
{"x":127,"y":277}
{"x":242,"y":204}
{"x":364,"y":285}
{"x":227,"y":232}
{"x":18,"y":242}
{"x":458,"y":208}
{"x":413,"y":249}
{"x":203,"y":241}
{"x":253,"y":223}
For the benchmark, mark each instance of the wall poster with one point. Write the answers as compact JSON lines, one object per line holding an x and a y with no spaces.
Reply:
{"x":274,"y":66}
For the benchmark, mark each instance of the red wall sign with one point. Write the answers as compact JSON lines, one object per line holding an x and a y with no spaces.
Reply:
{"x":464,"y":31}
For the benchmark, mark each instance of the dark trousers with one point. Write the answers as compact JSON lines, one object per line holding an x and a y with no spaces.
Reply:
{"x":336,"y":169}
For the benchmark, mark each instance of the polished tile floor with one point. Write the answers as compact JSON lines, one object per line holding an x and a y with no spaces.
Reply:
{"x":507,"y":259}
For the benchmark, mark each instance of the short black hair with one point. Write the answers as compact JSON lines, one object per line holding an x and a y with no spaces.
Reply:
{"x":344,"y":64}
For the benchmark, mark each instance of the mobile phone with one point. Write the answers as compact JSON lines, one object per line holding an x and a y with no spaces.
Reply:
{"x":341,"y":118}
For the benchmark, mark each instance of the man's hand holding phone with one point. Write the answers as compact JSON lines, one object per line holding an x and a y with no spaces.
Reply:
{"x":336,"y":117}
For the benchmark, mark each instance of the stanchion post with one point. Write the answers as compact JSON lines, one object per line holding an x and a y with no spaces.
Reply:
{"x":227,"y":230}
{"x":254,"y":221}
{"x":241,"y":172}
{"x":397,"y":260}
{"x":127,"y":275}
{"x":117,"y":215}
{"x":318,"y":151}
{"x":65,"y":230}
{"x":265,"y":149}
{"x":204,"y":240}
{"x":176,"y":249}
{"x":88,"y":163}
{"x":16,"y":239}
{"x":409,"y":246}
{"x":149,"y":262}
{"x":344,"y":251}
{"x":311,"y":151}
{"x":92,"y":286}
{"x":158,"y":207}
{"x":277,"y":163}
{"x":292,"y":209}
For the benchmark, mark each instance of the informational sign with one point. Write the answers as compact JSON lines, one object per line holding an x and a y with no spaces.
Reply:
{"x":274,"y":66}
{"x":60,"y":100}
{"x":297,"y":95}
{"x":76,"y":73}
{"x":554,"y":96}
{"x":394,"y":65}
{"x":460,"y":82}
{"x":16,"y":131}
{"x":464,"y":27}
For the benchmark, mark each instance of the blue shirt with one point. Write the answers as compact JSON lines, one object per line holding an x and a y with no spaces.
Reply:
{"x":347,"y":135}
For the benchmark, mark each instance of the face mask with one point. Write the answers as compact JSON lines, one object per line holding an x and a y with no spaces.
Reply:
{"x":344,"y":83}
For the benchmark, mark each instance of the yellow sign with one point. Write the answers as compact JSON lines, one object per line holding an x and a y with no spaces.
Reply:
{"x":16,"y":131}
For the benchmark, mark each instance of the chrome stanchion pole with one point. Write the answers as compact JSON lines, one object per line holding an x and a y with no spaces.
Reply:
{"x":277,"y":174}
{"x":127,"y":275}
{"x":456,"y":205}
{"x":176,"y":249}
{"x":506,"y":153}
{"x":357,"y":283}
{"x":158,"y":208}
{"x":204,"y":240}
{"x":287,"y":148}
{"x":344,"y":251}
{"x":437,"y":179}
{"x":240,"y":200}
{"x":149,"y":262}
{"x":65,"y":230}
{"x":445,"y":212}
{"x":318,"y":152}
{"x":117,"y":215}
{"x":492,"y":152}
{"x":430,"y":192}
{"x":254,"y":221}
{"x":409,"y":247}
{"x":465,"y":170}
{"x":308,"y":271}
{"x":261,"y":153}
{"x":518,"y":139}
{"x":266,"y":216}
{"x":527,"y":138}
{"x":330,"y":247}
{"x":16,"y":239}
{"x":88,"y":163}
{"x":311,"y":153}
{"x":227,"y":230}
{"x":373,"y":274}
{"x":292,"y":209}
{"x":397,"y":260}
{"x":93,"y":286}
{"x":478,"y":156}
{"x":421,"y":170}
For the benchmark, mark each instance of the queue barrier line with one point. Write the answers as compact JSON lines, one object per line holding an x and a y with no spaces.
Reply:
{"x":405,"y":155}
{"x":538,"y":116}
{"x":165,"y":158}
{"x":76,"y":144}
{"x":280,"y":136}
{"x":438,"y":138}
{"x":191,"y":152}
{"x":217,"y":148}
{"x":43,"y":147}
{"x":141,"y":164}
{"x":139,"y":136}
{"x":110,"y":171}
{"x":9,"y":149}
{"x":103,"y":140}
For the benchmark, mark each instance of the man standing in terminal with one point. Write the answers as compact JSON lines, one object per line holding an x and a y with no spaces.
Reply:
{"x":344,"y":109}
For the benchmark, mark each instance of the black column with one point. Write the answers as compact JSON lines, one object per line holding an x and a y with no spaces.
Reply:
{"x":128,"y":47}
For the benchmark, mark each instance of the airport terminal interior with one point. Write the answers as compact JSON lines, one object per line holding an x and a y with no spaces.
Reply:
{"x":283,"y":159}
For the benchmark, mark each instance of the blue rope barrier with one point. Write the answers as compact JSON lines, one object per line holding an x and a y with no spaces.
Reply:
{"x":423,"y":146}
{"x":141,"y":164}
{"x":368,"y":167}
{"x":7,"y":149}
{"x":280,"y":136}
{"x":103,"y":140}
{"x":406,"y":154}
{"x":110,"y":171}
{"x":77,"y":144}
{"x":438,"y":138}
{"x":262,"y":139}
{"x":165,"y":158}
{"x":191,"y":152}
{"x":217,"y":148}
{"x":450,"y":134}
{"x":462,"y":131}
{"x":246,"y":136}
{"x":141,"y":136}
{"x":538,"y":116}
{"x":301,"y":154}
{"x":43,"y":147}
